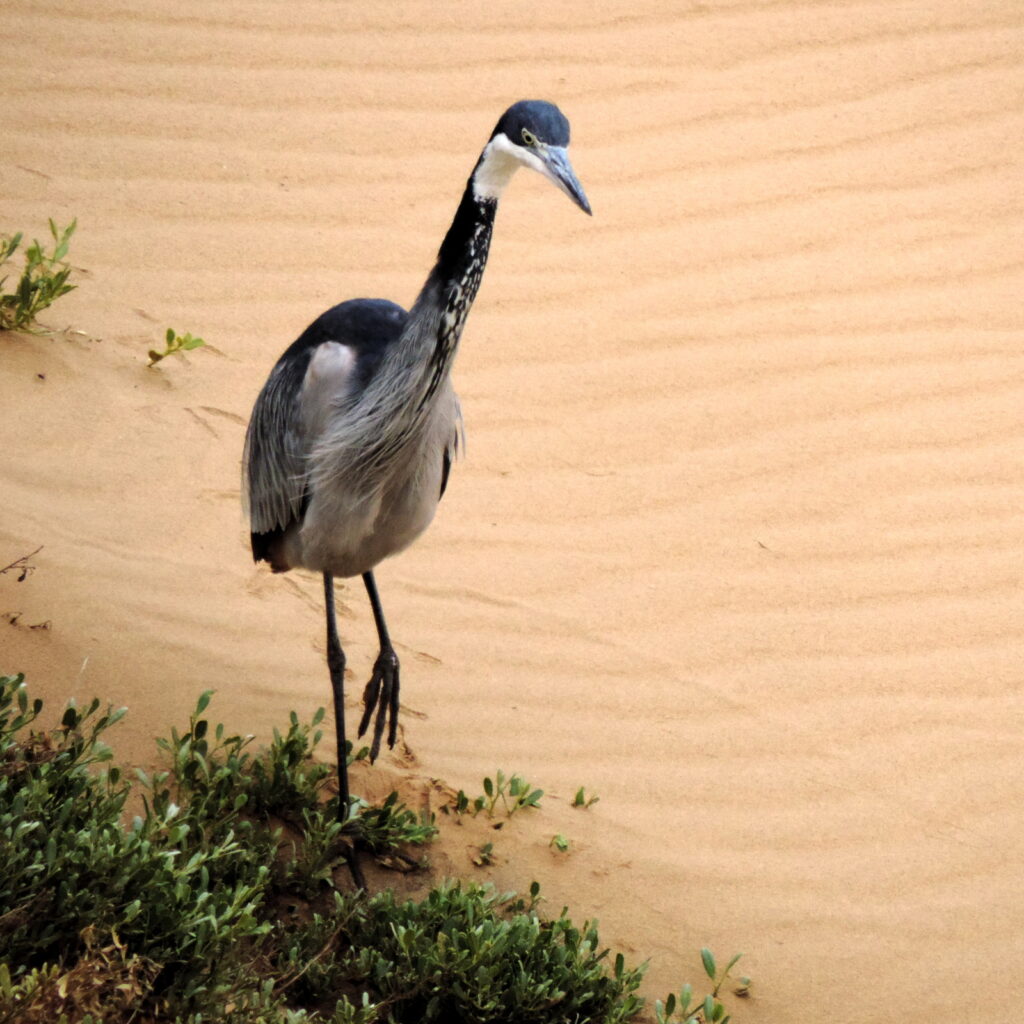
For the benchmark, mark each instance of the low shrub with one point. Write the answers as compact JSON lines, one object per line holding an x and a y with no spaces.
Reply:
{"x":222,"y":900}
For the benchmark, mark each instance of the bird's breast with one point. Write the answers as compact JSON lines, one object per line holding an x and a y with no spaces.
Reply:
{"x":347,"y":531}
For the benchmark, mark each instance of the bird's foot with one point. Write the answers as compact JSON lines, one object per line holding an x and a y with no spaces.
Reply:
{"x":351,"y":856}
{"x":381,"y":694}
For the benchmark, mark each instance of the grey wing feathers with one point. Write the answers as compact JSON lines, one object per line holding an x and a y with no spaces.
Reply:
{"x":453,"y":449}
{"x":274,"y":462}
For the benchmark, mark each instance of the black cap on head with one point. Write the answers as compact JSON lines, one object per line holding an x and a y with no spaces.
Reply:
{"x":541,"y":119}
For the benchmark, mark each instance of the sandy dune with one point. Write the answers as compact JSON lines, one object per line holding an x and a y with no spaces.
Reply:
{"x":737,"y":543}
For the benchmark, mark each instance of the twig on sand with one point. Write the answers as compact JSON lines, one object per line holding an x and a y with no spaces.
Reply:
{"x":22,"y":566}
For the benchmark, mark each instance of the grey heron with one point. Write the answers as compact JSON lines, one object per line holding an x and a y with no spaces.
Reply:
{"x":352,"y":437}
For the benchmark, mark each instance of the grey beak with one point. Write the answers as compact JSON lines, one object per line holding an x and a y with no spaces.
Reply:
{"x":559,"y":170}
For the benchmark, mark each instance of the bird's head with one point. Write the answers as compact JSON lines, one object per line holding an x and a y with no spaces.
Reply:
{"x":531,"y":133}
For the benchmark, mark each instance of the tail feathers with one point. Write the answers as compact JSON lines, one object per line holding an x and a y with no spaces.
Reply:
{"x":266,"y":547}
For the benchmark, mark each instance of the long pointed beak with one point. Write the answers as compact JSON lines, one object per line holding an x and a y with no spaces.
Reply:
{"x":557,"y":167}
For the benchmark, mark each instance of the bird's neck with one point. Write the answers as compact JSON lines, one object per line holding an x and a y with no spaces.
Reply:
{"x":398,"y":401}
{"x":463,"y":253}
{"x":455,"y":280}
{"x":439,"y":314}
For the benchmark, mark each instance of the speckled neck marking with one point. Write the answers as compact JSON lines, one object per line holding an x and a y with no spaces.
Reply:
{"x":460,"y":286}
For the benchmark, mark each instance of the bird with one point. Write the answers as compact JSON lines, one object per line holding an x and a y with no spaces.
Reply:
{"x":352,"y":437}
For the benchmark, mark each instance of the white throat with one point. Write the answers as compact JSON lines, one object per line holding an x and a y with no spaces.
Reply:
{"x":499,"y":161}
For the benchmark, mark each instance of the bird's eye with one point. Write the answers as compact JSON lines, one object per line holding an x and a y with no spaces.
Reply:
{"x":529,"y":138}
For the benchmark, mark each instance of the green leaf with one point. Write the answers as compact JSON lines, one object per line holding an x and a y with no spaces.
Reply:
{"x":684,"y":997}
{"x":709,"y":963}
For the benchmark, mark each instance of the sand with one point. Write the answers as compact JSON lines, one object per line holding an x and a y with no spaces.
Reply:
{"x":737,"y":541}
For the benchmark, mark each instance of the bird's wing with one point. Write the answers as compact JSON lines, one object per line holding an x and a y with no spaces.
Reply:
{"x":274,"y":460}
{"x":327,"y":366}
{"x":453,"y":447}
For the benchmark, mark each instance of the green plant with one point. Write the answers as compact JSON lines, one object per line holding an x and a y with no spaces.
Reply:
{"x":709,"y":1010}
{"x":582,"y":800}
{"x":43,"y":280}
{"x":174,"y":343}
{"x":185,"y":891}
{"x":559,"y":843}
{"x":393,"y":824}
{"x":484,"y":855}
{"x":220,"y":901}
{"x":466,"y":954}
{"x":74,"y":880}
{"x":514,"y":792}
{"x":225,"y":785}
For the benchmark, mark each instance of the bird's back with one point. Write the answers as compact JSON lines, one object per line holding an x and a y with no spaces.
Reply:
{"x":368,"y":326}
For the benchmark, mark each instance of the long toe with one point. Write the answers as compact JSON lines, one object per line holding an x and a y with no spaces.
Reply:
{"x":370,"y":695}
{"x":382,"y":701}
{"x":378,"y":725}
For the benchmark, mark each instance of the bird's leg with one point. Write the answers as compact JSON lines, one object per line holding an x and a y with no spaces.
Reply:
{"x":336,"y":664}
{"x":382,"y":689}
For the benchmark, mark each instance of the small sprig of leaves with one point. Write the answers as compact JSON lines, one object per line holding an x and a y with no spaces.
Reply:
{"x":390,"y":824}
{"x":43,"y":280}
{"x":582,"y":800}
{"x":709,"y":1010}
{"x":514,"y":793}
{"x":484,"y":855}
{"x":175,"y":343}
{"x":559,"y":843}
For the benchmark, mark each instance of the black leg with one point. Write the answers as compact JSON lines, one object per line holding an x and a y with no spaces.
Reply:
{"x":382,"y":689}
{"x":336,"y":664}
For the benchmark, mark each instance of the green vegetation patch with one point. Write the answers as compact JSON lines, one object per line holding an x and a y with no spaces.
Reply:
{"x":222,"y":901}
{"x":43,"y":280}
